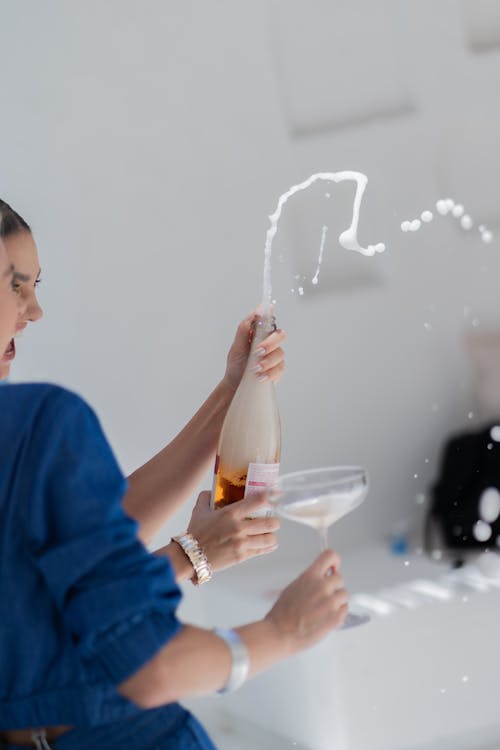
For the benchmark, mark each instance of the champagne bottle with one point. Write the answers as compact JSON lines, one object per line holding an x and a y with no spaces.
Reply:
{"x":249,"y":447}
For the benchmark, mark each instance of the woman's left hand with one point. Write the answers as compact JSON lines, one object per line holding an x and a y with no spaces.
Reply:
{"x":231,"y":535}
{"x":270,"y":362}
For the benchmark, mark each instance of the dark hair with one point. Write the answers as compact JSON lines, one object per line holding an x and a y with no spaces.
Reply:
{"x":10,"y":221}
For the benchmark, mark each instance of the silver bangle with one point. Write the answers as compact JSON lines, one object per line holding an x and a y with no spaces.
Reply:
{"x":240,"y":661}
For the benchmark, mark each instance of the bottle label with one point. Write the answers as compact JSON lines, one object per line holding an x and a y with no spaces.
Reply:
{"x":261,"y":476}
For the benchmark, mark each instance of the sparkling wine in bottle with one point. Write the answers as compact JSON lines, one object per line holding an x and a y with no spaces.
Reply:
{"x":249,"y":447}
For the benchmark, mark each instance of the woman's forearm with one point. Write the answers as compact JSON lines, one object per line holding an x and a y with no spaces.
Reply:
{"x":160,"y":487}
{"x":197,"y":662}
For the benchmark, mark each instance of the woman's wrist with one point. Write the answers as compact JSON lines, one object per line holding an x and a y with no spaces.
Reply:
{"x":240,"y":660}
{"x":197,"y":557}
{"x":227,"y":387}
{"x":266,"y":644}
{"x":181,"y":564}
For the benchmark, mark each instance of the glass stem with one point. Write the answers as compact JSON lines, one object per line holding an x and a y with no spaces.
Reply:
{"x":323,"y":538}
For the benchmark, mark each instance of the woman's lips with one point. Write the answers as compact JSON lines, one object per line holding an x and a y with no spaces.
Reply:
{"x":10,"y":352}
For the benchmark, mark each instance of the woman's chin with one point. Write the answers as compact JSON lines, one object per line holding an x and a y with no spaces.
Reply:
{"x":4,"y":370}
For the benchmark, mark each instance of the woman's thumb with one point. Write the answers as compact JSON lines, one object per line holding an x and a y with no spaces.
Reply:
{"x":203,"y":502}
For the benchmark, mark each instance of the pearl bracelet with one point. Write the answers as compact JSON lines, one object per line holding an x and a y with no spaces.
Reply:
{"x":198,"y":559}
{"x":240,"y":661}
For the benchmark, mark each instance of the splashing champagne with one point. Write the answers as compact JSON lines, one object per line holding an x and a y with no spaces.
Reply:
{"x":445,"y":207}
{"x":348,"y":238}
{"x":249,"y":448}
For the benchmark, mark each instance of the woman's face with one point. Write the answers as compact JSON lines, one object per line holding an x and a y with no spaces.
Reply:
{"x":23,"y":255}
{"x":12,"y":307}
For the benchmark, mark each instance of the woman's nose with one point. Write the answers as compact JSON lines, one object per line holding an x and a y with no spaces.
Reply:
{"x":34,"y":311}
{"x":22,"y":307}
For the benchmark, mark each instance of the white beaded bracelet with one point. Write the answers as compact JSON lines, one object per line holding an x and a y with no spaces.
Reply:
{"x":240,"y":661}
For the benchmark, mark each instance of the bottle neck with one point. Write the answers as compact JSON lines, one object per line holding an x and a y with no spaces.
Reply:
{"x":263,"y":326}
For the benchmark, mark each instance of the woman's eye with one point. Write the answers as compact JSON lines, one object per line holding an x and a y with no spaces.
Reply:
{"x":16,"y":287}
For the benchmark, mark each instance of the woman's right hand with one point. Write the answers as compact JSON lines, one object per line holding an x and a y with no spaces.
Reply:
{"x":230,"y":535}
{"x":197,"y":661}
{"x":312,"y":605}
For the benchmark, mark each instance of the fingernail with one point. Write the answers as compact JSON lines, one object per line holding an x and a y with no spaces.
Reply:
{"x":260,"y":352}
{"x":263,"y":378}
{"x":256,"y":368}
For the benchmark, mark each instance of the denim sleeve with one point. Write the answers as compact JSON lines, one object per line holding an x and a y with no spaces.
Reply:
{"x":117,"y":600}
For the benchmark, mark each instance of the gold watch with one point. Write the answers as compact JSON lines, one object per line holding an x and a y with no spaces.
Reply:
{"x":198,"y":559}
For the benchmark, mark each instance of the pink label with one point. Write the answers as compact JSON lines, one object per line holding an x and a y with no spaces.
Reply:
{"x":261,"y":476}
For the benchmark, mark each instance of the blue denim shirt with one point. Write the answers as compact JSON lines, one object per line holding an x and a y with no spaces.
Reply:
{"x":83,"y":603}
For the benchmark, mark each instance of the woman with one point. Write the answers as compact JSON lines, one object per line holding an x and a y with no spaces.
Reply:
{"x":93,"y":654}
{"x":157,"y":489}
{"x":12,"y":306}
{"x":23,"y":252}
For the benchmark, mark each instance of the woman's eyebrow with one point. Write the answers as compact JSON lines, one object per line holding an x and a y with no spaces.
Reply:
{"x":17,"y":276}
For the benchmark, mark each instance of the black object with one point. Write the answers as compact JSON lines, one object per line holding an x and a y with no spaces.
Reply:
{"x":469,"y":466}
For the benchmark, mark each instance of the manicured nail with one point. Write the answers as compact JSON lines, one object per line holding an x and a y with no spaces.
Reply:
{"x":260,"y":352}
{"x":256,"y":368}
{"x":263,"y":378}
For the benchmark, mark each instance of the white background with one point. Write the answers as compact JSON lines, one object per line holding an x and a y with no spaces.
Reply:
{"x":147,"y":142}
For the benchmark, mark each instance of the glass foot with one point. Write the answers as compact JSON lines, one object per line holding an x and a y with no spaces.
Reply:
{"x":353,"y":620}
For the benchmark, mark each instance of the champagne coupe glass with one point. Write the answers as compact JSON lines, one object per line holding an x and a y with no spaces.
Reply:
{"x":319,"y":498}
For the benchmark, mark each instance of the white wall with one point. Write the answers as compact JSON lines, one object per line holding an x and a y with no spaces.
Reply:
{"x":146,"y":142}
